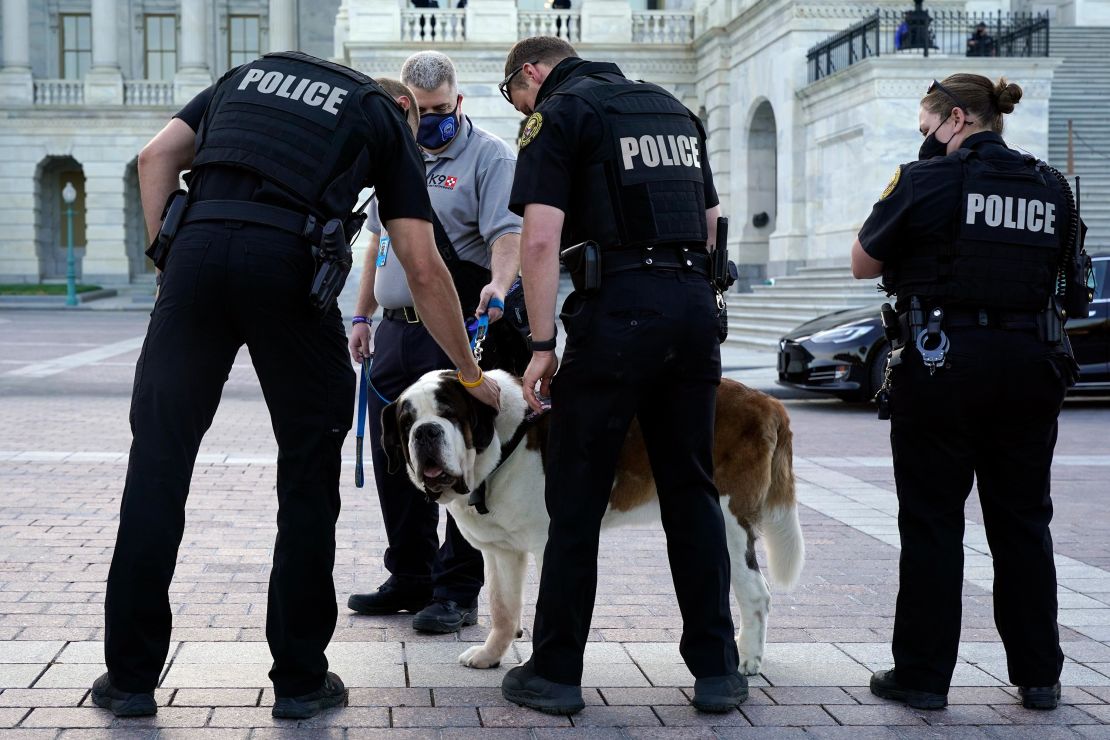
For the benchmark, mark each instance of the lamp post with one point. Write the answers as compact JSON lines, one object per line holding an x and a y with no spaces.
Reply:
{"x":69,"y":195}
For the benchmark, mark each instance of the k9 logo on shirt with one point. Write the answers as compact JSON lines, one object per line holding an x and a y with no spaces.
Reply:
{"x":447,"y":182}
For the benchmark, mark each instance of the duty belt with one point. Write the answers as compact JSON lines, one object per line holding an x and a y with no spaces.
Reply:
{"x":655,"y":258}
{"x":299,"y":224}
{"x":406,"y":315}
{"x":962,"y":318}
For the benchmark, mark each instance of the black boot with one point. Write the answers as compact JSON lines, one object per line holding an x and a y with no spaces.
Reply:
{"x":1040,"y":697}
{"x":387,"y":600}
{"x":332,"y":694}
{"x":720,"y":693}
{"x":444,"y":616}
{"x":885,"y":686}
{"x":122,"y":703}
{"x":522,"y":686}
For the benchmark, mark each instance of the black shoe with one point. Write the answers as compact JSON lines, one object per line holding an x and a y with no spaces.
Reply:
{"x":444,"y":616}
{"x":386,"y":600}
{"x":720,"y":693}
{"x":885,"y":686}
{"x":122,"y":703}
{"x":1040,"y":697}
{"x":522,"y":686}
{"x":332,"y":694}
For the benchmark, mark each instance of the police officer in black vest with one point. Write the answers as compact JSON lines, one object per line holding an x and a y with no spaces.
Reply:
{"x":970,"y":239}
{"x":616,"y":171}
{"x":279,"y":149}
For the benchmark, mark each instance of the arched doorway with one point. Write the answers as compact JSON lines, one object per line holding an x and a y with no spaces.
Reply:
{"x":134,"y":226}
{"x":51,"y":223}
{"x":762,"y":204}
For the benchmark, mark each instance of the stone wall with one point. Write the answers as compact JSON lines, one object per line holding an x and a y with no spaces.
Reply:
{"x":860,"y":124}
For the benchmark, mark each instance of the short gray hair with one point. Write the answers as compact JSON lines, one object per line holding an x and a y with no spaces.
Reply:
{"x":428,"y":70}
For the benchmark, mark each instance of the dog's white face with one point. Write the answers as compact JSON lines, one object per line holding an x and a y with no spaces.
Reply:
{"x":441,"y":434}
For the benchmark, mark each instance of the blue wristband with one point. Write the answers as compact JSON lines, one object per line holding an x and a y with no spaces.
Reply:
{"x":361,"y":320}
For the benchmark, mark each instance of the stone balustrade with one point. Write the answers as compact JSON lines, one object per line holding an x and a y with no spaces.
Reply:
{"x":566,"y":24}
{"x":148,"y":92}
{"x":433,"y":25}
{"x":662,"y":27}
{"x":59,"y":92}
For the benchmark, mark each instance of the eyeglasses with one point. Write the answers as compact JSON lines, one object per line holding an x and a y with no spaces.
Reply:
{"x":959,"y":103}
{"x":503,"y":86}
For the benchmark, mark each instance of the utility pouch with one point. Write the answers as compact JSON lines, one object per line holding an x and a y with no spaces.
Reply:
{"x":583,"y":262}
{"x":724,"y":275}
{"x":892,"y":328}
{"x":172,"y":214}
{"x":1050,"y":322}
{"x":333,"y":263}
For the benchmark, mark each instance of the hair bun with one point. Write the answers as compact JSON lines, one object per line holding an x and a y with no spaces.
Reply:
{"x":1006,"y":95}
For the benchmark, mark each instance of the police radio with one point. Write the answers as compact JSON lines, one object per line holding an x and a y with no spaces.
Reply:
{"x":724,"y":275}
{"x":333,"y":263}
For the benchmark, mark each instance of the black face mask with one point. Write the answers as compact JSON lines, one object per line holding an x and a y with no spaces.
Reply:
{"x":932,"y":146}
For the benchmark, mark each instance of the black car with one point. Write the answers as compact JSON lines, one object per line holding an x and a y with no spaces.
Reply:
{"x":844,"y":352}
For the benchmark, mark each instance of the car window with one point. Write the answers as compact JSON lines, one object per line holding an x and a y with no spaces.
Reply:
{"x":1102,"y":271}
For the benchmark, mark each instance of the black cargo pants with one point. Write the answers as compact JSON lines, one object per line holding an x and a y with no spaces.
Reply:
{"x":226,"y":286}
{"x":645,"y":346}
{"x":989,"y":415}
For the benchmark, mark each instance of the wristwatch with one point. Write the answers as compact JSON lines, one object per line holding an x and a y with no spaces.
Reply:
{"x":547,"y":345}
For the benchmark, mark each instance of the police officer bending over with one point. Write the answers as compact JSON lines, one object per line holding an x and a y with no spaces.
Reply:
{"x":621,"y":165}
{"x":971,"y":239}
{"x":282,"y":146}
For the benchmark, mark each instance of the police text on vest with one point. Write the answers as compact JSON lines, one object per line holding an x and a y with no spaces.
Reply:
{"x":316,"y":94}
{"x":1012,"y":213}
{"x":660,"y":150}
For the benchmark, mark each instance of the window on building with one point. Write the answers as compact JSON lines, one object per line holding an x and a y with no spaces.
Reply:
{"x":77,"y":177}
{"x":76,"y":46}
{"x":160,"y":47}
{"x":242,"y":39}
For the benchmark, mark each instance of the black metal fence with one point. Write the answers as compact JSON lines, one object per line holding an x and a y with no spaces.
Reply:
{"x":931,"y":33}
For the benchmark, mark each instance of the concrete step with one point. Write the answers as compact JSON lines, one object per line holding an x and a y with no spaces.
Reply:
{"x":772,"y":304}
{"x":809,"y":282}
{"x":823,"y":297}
{"x":743,"y":341}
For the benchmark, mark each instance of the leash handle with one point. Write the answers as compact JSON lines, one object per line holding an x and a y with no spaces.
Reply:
{"x":478,"y":329}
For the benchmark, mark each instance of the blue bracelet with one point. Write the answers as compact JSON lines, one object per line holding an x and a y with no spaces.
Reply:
{"x":495,"y":302}
{"x":361,"y":320}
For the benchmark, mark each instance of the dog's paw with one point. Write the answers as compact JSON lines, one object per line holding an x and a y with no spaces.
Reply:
{"x":750,"y":664}
{"x":478,"y":657}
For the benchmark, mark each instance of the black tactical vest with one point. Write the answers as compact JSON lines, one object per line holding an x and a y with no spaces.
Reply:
{"x":645,"y":185}
{"x":297,"y":121}
{"x":1005,"y":239}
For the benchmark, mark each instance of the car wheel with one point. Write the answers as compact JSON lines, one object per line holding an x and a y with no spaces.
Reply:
{"x":871,"y":376}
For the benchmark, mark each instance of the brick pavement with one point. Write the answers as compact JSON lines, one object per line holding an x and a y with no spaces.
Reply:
{"x":63,"y":443}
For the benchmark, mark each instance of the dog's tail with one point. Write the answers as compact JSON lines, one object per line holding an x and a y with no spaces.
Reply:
{"x":786,"y":551}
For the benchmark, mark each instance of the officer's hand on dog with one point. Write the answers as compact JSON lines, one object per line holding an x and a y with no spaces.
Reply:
{"x":487,"y":391}
{"x":491,"y":291}
{"x":540,"y":370}
{"x":361,"y":342}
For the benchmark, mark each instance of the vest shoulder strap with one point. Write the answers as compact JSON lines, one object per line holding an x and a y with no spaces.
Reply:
{"x":299,"y":56}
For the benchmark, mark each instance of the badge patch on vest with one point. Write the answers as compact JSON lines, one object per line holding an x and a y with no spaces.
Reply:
{"x":531,"y":129}
{"x":892,"y":184}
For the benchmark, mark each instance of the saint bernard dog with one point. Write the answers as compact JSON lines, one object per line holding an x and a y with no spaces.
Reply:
{"x":452,"y":445}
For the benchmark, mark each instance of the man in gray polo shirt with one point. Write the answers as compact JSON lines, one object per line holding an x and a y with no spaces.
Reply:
{"x":469,"y":175}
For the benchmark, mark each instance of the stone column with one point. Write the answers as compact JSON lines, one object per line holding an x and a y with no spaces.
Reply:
{"x":340,"y":33}
{"x":104,"y":82}
{"x":192,"y":71}
{"x":606,"y":22}
{"x":492,"y":21}
{"x":373,"y":21}
{"x":283,"y":25}
{"x":16,"y":85}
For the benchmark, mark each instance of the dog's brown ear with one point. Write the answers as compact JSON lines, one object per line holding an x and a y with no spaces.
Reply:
{"x":482,"y":418}
{"x":392,"y":444}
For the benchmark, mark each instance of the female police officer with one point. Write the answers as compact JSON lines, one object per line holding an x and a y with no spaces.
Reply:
{"x":969,"y":239}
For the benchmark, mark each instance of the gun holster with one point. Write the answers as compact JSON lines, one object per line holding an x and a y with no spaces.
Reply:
{"x":172,"y":214}
{"x":583,"y":262}
{"x":333,"y":264}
